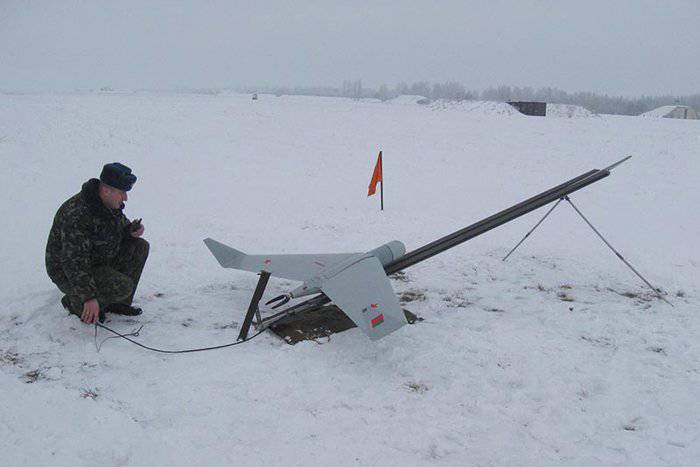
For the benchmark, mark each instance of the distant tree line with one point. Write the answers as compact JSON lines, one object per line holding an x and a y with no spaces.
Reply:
{"x":598,"y":103}
{"x":454,"y":91}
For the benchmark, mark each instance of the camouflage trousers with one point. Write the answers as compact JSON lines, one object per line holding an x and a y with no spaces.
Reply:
{"x":116,"y":282}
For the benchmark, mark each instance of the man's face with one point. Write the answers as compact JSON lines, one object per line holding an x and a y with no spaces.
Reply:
{"x":112,"y":197}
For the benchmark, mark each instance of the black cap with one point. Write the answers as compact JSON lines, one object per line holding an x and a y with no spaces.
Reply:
{"x":118,"y":176}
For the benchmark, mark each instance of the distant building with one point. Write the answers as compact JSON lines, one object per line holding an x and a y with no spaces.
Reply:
{"x":537,"y":109}
{"x":255,"y":96}
{"x":673,"y":111}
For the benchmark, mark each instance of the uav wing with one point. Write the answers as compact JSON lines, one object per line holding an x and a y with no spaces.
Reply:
{"x":364,"y":293}
{"x":294,"y":267}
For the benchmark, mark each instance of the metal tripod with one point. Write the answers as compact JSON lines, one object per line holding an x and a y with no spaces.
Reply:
{"x":566,"y":198}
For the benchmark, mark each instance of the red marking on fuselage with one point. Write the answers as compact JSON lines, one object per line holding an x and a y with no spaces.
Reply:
{"x":374,"y":305}
{"x":376,"y":321}
{"x":267,"y":261}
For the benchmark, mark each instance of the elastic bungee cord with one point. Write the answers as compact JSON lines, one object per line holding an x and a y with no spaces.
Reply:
{"x":136,"y":333}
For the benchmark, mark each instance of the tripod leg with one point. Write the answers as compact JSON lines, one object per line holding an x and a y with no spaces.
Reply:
{"x":656,"y":291}
{"x":532,"y":229}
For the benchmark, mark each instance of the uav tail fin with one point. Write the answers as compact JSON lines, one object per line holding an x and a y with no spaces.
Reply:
{"x":226,"y":256}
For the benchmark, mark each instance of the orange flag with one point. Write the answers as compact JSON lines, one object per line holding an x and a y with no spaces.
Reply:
{"x":376,"y":176}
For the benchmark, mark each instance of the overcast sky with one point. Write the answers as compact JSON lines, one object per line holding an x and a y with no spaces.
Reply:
{"x":620,"y":47}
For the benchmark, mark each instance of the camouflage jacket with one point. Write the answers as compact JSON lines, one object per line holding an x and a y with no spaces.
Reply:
{"x":85,"y":233}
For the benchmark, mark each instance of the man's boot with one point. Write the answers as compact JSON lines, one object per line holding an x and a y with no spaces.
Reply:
{"x":123,"y":309}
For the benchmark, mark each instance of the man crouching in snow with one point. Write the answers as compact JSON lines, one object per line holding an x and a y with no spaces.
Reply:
{"x":94,"y":254}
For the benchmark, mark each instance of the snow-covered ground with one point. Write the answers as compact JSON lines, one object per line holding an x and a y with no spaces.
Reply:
{"x":568,"y":111}
{"x":485,"y":108}
{"x":559,"y":356}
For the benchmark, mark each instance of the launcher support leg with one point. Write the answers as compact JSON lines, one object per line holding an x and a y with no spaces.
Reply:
{"x":654,"y":289}
{"x":253,"y":309}
{"x":532,"y":229}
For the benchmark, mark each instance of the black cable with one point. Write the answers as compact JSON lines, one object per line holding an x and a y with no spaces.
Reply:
{"x":136,"y":333}
{"x":99,"y":346}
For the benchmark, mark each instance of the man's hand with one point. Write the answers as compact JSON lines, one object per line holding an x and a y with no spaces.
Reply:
{"x":136,"y":228}
{"x":91,"y":311}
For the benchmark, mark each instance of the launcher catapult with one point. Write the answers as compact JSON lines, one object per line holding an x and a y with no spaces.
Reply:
{"x":358,"y":283}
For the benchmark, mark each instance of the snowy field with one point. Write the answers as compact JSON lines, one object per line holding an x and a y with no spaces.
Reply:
{"x":558,"y":356}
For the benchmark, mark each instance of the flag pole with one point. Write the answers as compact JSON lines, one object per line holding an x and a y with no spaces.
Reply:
{"x":381,"y":169}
